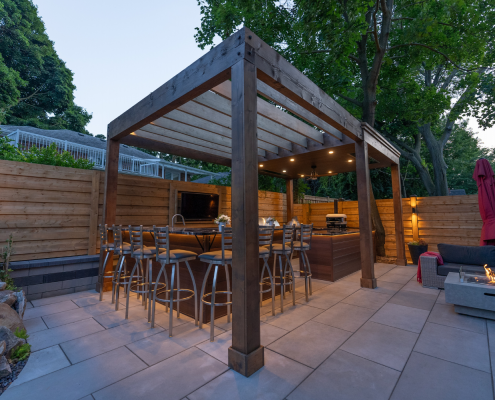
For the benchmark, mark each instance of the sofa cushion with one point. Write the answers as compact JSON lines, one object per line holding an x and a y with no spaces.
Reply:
{"x":471,"y":255}
{"x":443,"y":270}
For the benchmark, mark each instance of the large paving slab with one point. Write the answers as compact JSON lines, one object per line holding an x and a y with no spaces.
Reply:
{"x":275,"y":380}
{"x":382,"y":344}
{"x":79,"y":380}
{"x":444,"y":314}
{"x":429,"y":378}
{"x":345,"y":316}
{"x":49,"y":309}
{"x":402,"y":317}
{"x":292,"y":317}
{"x":344,"y":376}
{"x":173,"y":378}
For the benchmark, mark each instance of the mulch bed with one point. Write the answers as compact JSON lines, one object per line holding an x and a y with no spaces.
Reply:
{"x":16,"y":370}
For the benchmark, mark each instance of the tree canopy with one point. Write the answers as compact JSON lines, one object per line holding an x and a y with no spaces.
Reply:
{"x":36,"y":87}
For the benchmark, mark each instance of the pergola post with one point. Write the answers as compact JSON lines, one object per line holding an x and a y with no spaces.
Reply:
{"x":399,"y":223}
{"x":289,"y":198}
{"x":246,"y":355}
{"x":368,"y":279}
{"x":110,"y":197}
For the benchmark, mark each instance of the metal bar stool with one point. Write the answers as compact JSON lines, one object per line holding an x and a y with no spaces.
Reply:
{"x":216,"y":258}
{"x":107,"y":247}
{"x":165,"y":256}
{"x":265,"y":242}
{"x":140,"y":253}
{"x":121,"y":275}
{"x":303,"y":245}
{"x":285,"y":249}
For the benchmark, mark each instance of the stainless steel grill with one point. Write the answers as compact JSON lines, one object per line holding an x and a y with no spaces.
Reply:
{"x":336,"y":221}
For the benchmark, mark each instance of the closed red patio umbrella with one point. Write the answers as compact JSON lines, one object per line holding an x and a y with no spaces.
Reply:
{"x":485,"y":180}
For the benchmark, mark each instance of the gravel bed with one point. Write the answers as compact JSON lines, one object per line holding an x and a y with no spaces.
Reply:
{"x":16,"y":370}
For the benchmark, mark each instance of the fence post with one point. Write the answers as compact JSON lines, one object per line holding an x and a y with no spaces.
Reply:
{"x":93,"y":212}
{"x":414,"y":217}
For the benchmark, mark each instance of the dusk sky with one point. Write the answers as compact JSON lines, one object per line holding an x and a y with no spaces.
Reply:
{"x":120,"y":51}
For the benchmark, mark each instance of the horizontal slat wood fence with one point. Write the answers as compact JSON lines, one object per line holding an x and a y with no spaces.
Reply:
{"x":55,"y":211}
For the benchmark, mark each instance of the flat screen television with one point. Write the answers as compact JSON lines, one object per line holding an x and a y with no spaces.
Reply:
{"x":199,"y":206}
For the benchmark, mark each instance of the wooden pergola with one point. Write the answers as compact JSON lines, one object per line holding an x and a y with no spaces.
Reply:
{"x":211,"y":111}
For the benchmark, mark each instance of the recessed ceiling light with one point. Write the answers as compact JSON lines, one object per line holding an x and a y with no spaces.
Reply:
{"x":329,"y":172}
{"x":284,"y":170}
{"x":330,"y":152}
{"x":292,"y":159}
{"x":349,"y":160}
{"x":302,"y":176}
{"x":261,"y":165}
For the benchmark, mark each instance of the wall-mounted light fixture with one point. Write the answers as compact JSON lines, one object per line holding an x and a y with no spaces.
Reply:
{"x":414,"y":210}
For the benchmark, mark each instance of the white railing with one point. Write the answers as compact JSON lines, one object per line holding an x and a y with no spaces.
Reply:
{"x":155,"y":168}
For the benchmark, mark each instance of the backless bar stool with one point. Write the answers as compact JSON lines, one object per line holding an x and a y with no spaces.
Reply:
{"x":107,"y":247}
{"x":284,"y":249}
{"x":303,"y":245}
{"x":140,"y":253}
{"x":216,"y":258}
{"x":265,"y":242}
{"x":121,"y":275}
{"x":165,"y":256}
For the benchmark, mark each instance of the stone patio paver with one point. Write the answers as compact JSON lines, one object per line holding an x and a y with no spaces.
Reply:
{"x":344,"y":376}
{"x":429,"y":378}
{"x":98,"y":343}
{"x":382,"y":344}
{"x":171,"y":379}
{"x":402,"y":317}
{"x":345,"y":316}
{"x":79,"y":380}
{"x":41,"y":363}
{"x":444,"y":314}
{"x":455,"y":345}
{"x":359,"y":349}
{"x":276,"y":380}
{"x":311,"y":343}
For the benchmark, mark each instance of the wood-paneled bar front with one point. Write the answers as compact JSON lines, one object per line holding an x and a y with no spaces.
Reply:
{"x":211,"y":112}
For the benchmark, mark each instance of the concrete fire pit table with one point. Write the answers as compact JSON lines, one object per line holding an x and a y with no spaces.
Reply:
{"x":471,"y":298}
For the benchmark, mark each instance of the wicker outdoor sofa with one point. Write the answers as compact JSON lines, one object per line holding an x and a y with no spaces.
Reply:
{"x":470,"y":258}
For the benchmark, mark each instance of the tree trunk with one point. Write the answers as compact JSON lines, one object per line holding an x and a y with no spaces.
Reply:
{"x":435,"y":148}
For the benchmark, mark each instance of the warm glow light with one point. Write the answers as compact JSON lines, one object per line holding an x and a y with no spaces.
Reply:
{"x":261,"y":165}
{"x":302,"y":176}
{"x":330,"y":152}
{"x":349,"y":160}
{"x":284,"y":170}
{"x":132,"y":133}
{"x":489,"y":273}
{"x":292,"y":159}
{"x":329,"y":172}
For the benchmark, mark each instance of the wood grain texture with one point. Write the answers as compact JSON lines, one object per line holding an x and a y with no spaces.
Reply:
{"x":399,"y":225}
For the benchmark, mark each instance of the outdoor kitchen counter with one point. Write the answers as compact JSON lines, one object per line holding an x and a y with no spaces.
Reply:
{"x":334,"y":254}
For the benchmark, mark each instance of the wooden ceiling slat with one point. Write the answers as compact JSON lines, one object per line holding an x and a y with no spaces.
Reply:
{"x":274,"y":114}
{"x":278,"y":98}
{"x":168,"y":134}
{"x":201,"y":123}
{"x":223,"y":105}
{"x":206,"y":135}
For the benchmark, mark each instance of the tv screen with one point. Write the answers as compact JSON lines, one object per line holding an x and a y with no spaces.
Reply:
{"x":199,"y":206}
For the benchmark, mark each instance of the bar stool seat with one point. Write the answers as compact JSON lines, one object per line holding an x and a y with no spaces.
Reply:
{"x":216,"y":255}
{"x":264,"y":250}
{"x":278,"y":247}
{"x":176,"y":254}
{"x":146,"y":252}
{"x":298,"y":246}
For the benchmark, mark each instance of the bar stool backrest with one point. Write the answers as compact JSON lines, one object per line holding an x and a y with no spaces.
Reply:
{"x":162,"y":241}
{"x":136,"y":240}
{"x":226,"y":241}
{"x":117,"y":239}
{"x":288,"y":238}
{"x":306,"y":234}
{"x":103,"y":236}
{"x":266,"y":237}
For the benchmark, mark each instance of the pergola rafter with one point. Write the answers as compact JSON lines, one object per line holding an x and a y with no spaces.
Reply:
{"x":211,"y":111}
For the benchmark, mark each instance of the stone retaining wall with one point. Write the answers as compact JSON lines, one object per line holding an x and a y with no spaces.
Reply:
{"x":55,"y":276}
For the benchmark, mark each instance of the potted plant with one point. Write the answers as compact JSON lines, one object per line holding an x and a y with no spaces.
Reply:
{"x":272,"y":221}
{"x":221,"y":221}
{"x":417,"y":248}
